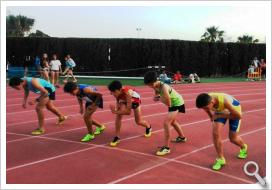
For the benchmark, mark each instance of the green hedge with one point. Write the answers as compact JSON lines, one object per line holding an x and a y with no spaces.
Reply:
{"x":91,"y":55}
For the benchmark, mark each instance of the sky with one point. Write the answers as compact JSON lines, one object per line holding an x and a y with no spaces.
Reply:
{"x":155,"y":22}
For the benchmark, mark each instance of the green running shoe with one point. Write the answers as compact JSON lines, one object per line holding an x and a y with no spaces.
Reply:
{"x":219,"y":162}
{"x":87,"y":138}
{"x":243,"y":152}
{"x":99,"y":130}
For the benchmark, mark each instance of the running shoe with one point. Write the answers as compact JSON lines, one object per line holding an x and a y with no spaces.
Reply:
{"x":219,"y":163}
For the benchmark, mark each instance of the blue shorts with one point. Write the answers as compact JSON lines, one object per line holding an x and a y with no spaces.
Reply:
{"x":234,"y":125}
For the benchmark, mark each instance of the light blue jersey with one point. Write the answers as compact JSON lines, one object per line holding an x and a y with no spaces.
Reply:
{"x":42,"y":82}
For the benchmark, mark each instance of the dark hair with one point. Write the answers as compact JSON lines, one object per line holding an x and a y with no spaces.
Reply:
{"x":69,"y":87}
{"x":115,"y":85}
{"x":15,"y":81}
{"x":150,"y":77}
{"x":203,"y":100}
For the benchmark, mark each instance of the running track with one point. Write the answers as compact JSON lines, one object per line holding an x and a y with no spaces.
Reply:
{"x":58,"y":157}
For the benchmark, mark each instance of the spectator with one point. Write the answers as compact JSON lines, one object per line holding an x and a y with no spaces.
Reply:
{"x":251,"y":68}
{"x":45,"y":67}
{"x":191,"y":78}
{"x":263,"y":68}
{"x":196,"y":78}
{"x":69,"y":69}
{"x":177,"y":78}
{"x":71,"y":61}
{"x":256,"y":63}
{"x":26,"y":64}
{"x":163,"y":78}
{"x":55,"y":67}
{"x":37,"y":63}
{"x":8,"y":64}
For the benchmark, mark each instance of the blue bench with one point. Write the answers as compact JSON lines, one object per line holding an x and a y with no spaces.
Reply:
{"x":19,"y":72}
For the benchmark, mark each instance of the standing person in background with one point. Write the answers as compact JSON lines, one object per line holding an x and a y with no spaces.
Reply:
{"x":70,"y":64}
{"x":55,"y":67}
{"x":37,"y":63}
{"x":45,"y":67}
{"x":263,"y":68}
{"x":26,"y":64}
{"x":256,"y":63}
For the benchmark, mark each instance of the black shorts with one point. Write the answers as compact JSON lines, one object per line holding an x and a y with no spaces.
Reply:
{"x":135,"y":105}
{"x":175,"y":108}
{"x":99,"y":103}
{"x":52,"y":95}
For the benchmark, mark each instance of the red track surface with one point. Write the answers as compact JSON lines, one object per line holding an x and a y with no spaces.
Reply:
{"x":60,"y":157}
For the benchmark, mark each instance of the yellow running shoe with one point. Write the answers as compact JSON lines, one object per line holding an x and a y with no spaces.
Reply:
{"x":163,"y":151}
{"x":38,"y":131}
{"x":115,"y":141}
{"x":61,"y":120}
{"x":148,"y":132}
{"x":219,"y":163}
{"x":99,"y":130}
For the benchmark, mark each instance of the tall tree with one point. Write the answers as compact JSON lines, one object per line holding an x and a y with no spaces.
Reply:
{"x":246,"y":39}
{"x":18,"y":26}
{"x":213,"y":34}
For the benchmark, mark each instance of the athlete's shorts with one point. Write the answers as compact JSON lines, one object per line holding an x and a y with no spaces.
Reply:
{"x":52,"y":95}
{"x":234,"y":125}
{"x":180,"y":108}
{"x":99,"y":103}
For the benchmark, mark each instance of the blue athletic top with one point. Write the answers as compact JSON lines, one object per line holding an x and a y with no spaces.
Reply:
{"x":42,"y":82}
{"x":86,"y":97}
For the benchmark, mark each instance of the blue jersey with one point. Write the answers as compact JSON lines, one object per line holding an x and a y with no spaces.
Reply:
{"x":42,"y":82}
{"x":86,"y":97}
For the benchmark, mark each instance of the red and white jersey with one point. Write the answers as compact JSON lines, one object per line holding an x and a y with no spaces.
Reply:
{"x":131,"y":91}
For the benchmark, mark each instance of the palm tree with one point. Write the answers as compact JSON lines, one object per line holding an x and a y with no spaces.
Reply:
{"x":18,"y":26}
{"x":246,"y":39}
{"x":213,"y":34}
